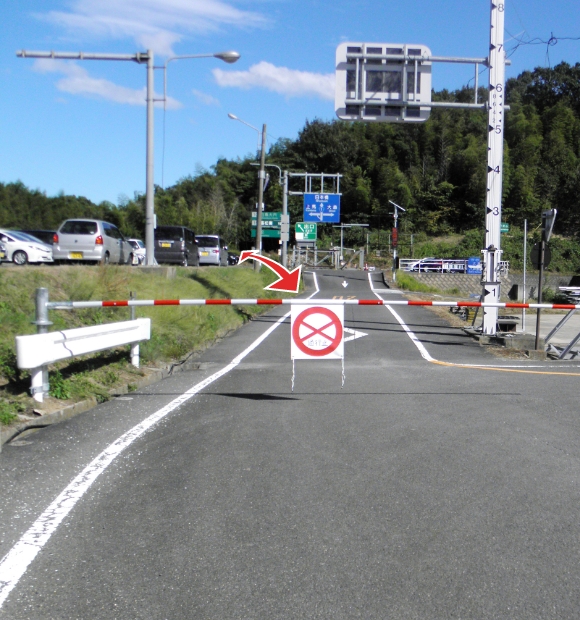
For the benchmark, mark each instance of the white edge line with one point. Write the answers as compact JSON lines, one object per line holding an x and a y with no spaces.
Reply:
{"x":424,"y":353}
{"x":15,"y":563}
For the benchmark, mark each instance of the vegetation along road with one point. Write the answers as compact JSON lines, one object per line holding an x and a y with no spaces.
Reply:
{"x":439,"y":481}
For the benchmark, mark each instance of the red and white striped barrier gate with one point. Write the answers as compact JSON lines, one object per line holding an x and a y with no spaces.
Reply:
{"x":69,"y":305}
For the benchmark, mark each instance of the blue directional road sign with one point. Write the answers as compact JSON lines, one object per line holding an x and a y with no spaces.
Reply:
{"x":324,"y":208}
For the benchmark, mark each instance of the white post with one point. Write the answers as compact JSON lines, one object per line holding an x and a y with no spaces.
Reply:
{"x":37,"y":383}
{"x":135,"y":345}
{"x":135,"y":354}
{"x":492,"y":251}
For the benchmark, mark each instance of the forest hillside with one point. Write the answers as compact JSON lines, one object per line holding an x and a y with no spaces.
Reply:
{"x":435,"y":170}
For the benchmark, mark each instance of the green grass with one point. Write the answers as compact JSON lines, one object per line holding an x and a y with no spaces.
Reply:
{"x":176,"y":332}
{"x":409,"y":283}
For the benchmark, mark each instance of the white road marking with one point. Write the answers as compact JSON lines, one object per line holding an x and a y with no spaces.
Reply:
{"x":354,"y":334}
{"x":425,"y":354}
{"x":15,"y":563}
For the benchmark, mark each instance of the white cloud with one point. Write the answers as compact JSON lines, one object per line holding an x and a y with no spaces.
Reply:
{"x":282,"y":80}
{"x":205,"y":98}
{"x":153,"y":24}
{"x":77,"y":81}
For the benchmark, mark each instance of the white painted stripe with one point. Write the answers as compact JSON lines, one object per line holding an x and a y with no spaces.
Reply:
{"x":425,"y":354}
{"x":416,"y":342}
{"x":17,"y":560}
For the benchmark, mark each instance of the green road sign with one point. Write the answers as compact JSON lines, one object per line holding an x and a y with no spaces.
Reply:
{"x":504,"y":227}
{"x":305,"y":231}
{"x":270,"y":219}
{"x":272,"y":233}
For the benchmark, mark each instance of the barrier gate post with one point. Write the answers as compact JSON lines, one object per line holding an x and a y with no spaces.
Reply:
{"x":134,"y":346}
{"x":39,"y":376}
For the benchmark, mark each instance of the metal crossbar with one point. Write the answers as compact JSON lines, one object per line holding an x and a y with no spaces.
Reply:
{"x":70,"y":305}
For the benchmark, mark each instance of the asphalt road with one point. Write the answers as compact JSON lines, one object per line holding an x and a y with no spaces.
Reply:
{"x":438,"y":482}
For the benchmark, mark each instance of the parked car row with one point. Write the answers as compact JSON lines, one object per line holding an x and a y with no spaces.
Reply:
{"x":179,"y":244}
{"x":97,"y":241}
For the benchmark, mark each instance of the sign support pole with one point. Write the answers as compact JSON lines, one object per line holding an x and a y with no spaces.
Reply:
{"x":285,"y":217}
{"x":261,"y":178}
{"x":492,"y":251}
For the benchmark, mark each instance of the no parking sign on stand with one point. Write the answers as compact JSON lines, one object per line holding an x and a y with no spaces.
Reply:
{"x":317,"y":333}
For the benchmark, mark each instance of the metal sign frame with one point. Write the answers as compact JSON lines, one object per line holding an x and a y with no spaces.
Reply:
{"x":383,"y":82}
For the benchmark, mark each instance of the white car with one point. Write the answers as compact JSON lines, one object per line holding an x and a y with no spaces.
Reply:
{"x":22,"y":248}
{"x":139,"y":251}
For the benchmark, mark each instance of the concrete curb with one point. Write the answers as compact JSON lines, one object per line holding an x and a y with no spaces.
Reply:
{"x":69,"y":411}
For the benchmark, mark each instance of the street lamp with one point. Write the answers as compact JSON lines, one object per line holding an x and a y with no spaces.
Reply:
{"x":229,"y":57}
{"x":261,"y":178}
{"x":139,"y":57}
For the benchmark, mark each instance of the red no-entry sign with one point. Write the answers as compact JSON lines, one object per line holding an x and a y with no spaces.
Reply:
{"x":317,"y":332}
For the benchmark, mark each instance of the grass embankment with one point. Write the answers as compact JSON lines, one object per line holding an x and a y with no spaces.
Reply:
{"x":409,"y":283}
{"x":176,"y":331}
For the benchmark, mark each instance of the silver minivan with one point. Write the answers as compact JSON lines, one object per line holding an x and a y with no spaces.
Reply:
{"x":212,"y":250}
{"x":91,"y":240}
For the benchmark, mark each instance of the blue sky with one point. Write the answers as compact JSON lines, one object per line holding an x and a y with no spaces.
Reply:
{"x":79,"y":127}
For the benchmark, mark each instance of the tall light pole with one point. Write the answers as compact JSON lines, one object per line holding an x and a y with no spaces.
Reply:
{"x":139,"y":57}
{"x":261,"y":178}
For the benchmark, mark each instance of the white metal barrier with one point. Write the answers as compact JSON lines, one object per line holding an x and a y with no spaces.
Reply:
{"x":35,"y":352}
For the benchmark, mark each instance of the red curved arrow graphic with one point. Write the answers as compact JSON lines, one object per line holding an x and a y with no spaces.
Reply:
{"x":288,"y":281}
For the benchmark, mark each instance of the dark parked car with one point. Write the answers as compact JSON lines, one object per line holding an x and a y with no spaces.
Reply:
{"x":176,"y":244}
{"x":46,"y":236}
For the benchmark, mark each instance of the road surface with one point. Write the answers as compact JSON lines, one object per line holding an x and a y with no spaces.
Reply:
{"x":438,"y":482}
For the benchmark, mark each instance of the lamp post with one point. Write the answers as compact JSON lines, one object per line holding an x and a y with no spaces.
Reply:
{"x":261,"y":178}
{"x":229,"y":57}
{"x":139,"y":57}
